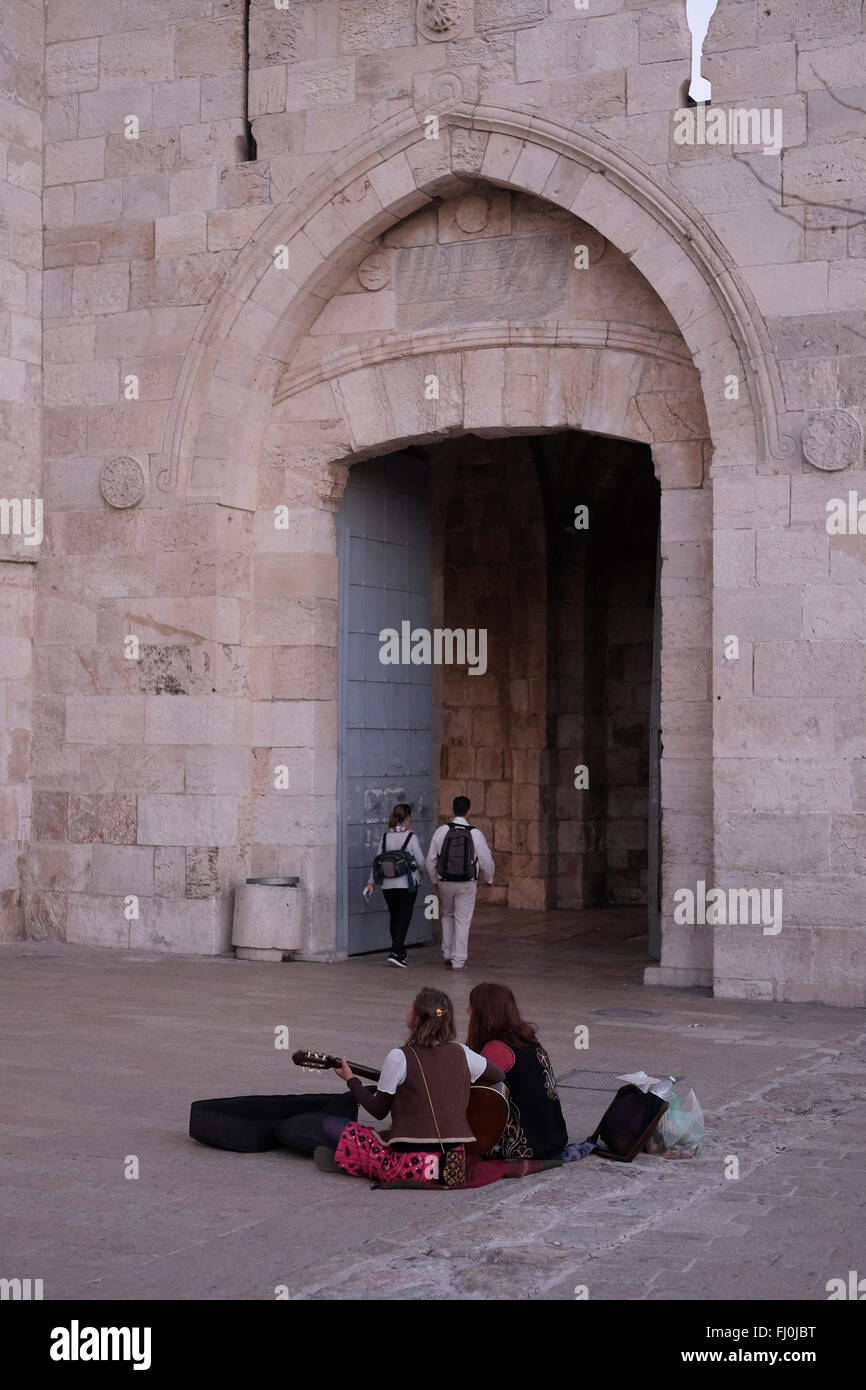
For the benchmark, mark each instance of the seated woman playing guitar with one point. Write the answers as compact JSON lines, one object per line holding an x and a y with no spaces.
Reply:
{"x":536,"y":1128}
{"x":424,"y":1086}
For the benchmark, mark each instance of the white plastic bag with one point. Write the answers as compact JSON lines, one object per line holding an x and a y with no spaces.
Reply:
{"x":680,"y":1129}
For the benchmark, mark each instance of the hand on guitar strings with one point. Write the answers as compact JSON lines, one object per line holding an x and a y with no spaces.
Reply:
{"x":344,"y":1070}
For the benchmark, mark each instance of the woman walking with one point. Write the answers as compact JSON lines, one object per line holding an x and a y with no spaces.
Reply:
{"x":400,"y":892}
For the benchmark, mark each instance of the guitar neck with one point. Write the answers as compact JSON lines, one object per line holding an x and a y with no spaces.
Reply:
{"x":369,"y":1073}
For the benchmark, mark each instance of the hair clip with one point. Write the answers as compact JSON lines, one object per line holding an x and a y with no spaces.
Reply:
{"x":438,"y":1013}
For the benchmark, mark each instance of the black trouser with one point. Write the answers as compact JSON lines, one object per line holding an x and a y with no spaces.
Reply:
{"x":316,"y":1119}
{"x":401,"y":905}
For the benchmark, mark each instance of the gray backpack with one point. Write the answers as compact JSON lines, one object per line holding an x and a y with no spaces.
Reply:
{"x":394,"y":863}
{"x":456,"y":862}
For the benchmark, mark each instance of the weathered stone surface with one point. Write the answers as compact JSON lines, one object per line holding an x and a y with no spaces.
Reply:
{"x":110,"y":819}
{"x":469,"y":280}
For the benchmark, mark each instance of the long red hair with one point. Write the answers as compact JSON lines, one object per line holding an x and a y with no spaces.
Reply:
{"x":496,"y":1017}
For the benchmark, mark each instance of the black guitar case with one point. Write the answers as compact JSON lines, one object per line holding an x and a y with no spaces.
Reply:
{"x":244,"y":1124}
{"x":249,"y":1124}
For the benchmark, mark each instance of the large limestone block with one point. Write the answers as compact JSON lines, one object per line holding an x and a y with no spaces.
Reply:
{"x":781,"y":785}
{"x":110,"y":819}
{"x":146,"y":55}
{"x":187,"y":820}
{"x":101,"y":719}
{"x":810,"y":668}
{"x":782,"y":727}
{"x":752,"y":503}
{"x":838,"y":973}
{"x":104,"y":112}
{"x":122,"y":870}
{"x":176,"y":103}
{"x":182,"y":234}
{"x":834,"y":612}
{"x":100,"y":289}
{"x":61,"y":868}
{"x":761,"y":615}
{"x":190,"y":719}
{"x":74,"y":161}
{"x":190,"y":926}
{"x":286,"y":819}
{"x":847,"y":842}
{"x":96,"y":921}
{"x":366,"y":26}
{"x":72,"y":67}
{"x":214,"y":46}
{"x":782,"y":843}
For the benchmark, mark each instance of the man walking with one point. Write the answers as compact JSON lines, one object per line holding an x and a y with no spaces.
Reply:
{"x":457,"y":852}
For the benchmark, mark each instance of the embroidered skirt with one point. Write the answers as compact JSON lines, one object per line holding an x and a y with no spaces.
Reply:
{"x":362,"y":1153}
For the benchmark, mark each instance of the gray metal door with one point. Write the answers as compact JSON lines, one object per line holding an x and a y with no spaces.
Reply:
{"x":654,"y":828}
{"x":385,"y":714}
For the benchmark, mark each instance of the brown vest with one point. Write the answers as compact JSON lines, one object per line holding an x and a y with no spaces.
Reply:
{"x":447,"y":1075}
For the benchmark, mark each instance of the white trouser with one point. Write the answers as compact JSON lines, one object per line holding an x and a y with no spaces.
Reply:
{"x":456,"y":904}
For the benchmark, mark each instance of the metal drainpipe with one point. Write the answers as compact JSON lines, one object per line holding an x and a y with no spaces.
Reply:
{"x":251,"y":152}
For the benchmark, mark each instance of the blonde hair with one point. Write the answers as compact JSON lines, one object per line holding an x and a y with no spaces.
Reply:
{"x":432,"y":1019}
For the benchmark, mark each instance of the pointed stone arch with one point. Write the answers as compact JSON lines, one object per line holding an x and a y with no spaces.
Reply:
{"x":246,"y":334}
{"x":241,"y":389}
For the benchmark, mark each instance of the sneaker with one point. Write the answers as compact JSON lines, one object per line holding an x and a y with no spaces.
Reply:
{"x":395,"y":960}
{"x":455,"y":967}
{"x":446,"y":961}
{"x":325,"y":1161}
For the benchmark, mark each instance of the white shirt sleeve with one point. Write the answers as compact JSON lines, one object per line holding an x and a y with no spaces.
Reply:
{"x":486,"y":865}
{"x":433,"y":852}
{"x":477,"y":1063}
{"x":417,"y":853}
{"x":394,"y":1071}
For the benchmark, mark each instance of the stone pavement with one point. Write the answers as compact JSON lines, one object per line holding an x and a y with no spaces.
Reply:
{"x":106,"y":1049}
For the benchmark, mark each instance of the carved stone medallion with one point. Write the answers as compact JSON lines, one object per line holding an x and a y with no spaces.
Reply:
{"x":374,"y":272}
{"x":442,"y":20}
{"x":446,"y":86}
{"x":472,"y":213}
{"x":832,"y":440}
{"x":122,"y":482}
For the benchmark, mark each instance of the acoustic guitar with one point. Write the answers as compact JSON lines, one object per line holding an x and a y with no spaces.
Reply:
{"x":487,"y":1111}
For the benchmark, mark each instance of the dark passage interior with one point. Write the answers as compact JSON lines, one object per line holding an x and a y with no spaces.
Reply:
{"x":567,"y":601}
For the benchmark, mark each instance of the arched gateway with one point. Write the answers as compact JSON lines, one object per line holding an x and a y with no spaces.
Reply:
{"x":292,"y":379}
{"x":507,"y":280}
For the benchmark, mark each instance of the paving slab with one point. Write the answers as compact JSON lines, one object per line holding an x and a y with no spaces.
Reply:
{"x":106,"y":1050}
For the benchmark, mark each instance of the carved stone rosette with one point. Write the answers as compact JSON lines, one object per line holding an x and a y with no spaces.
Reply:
{"x":122,"y":482}
{"x":832,"y":440}
{"x":442,"y":20}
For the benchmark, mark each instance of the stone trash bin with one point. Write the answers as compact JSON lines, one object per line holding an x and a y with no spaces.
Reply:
{"x":267,"y":919}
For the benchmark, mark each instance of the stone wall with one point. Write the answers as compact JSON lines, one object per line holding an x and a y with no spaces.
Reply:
{"x":153,"y":774}
{"x":21,"y":94}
